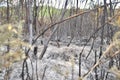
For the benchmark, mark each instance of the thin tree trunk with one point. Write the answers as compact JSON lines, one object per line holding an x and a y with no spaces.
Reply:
{"x":96,"y":74}
{"x":30,"y":21}
{"x":103,"y":22}
{"x":8,"y":14}
{"x":102,"y":34}
{"x":35,"y":16}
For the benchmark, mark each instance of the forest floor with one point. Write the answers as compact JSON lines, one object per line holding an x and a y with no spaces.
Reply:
{"x":61,"y":63}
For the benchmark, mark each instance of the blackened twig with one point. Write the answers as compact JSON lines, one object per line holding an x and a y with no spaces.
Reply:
{"x":44,"y":72}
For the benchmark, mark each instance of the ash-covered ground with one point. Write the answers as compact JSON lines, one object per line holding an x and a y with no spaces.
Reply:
{"x":62,"y":63}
